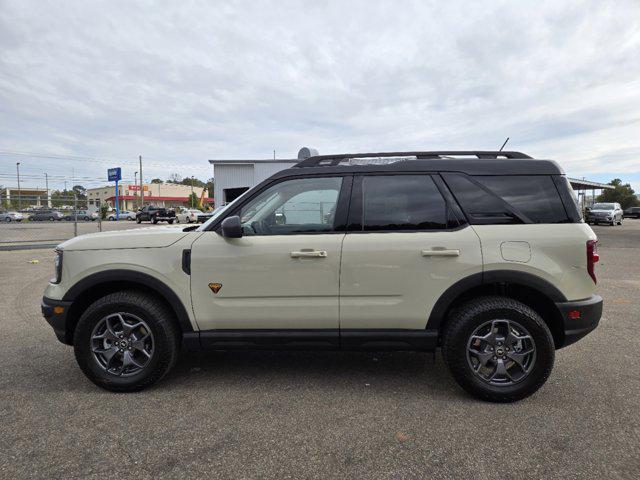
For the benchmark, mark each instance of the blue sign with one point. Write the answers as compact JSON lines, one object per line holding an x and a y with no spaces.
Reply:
{"x":114,"y":174}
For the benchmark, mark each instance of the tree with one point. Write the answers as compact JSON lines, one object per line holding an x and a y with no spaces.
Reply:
{"x":209,"y":186}
{"x":156,"y":180}
{"x":622,"y":194}
{"x":192,"y":181}
{"x":193,"y":200}
{"x":79,"y":191}
{"x":174,"y":178}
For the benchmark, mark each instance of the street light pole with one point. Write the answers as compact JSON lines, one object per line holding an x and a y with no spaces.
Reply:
{"x":46,"y":181}
{"x":135,"y":193}
{"x":141,"y":186}
{"x":191,"y":191}
{"x":19,"y":191}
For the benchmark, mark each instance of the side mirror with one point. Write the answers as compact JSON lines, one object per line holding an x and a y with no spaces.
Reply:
{"x":231,"y":227}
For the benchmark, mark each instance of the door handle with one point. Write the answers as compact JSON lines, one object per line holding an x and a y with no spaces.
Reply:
{"x":309,"y":254}
{"x":441,"y":252}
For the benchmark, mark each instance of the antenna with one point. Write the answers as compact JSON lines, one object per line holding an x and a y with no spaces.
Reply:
{"x":505,"y":142}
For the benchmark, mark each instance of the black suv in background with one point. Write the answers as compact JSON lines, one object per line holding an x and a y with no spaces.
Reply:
{"x":154,"y":214}
{"x":632,"y":212}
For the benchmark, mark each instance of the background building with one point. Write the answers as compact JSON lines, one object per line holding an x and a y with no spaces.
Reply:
{"x":234,"y":177}
{"x":160,"y":194}
{"x":12,"y":197}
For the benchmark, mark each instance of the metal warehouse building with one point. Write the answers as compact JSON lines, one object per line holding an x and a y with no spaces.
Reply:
{"x":234,"y":177}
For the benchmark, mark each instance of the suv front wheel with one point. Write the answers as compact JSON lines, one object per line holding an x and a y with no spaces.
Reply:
{"x":126,"y":341}
{"x":498,"y":349}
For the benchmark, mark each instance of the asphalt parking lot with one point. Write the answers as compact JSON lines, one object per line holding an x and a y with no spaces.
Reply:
{"x":320,"y":415}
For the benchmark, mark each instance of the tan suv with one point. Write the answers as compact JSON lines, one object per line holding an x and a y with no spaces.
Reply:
{"x":483,"y":254}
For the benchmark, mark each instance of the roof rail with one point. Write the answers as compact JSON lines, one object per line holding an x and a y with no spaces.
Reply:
{"x":333,"y":160}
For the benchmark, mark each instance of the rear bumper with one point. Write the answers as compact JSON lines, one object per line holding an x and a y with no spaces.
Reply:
{"x":580,"y":318}
{"x":55,"y":313}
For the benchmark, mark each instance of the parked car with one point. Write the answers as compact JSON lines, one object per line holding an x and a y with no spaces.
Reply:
{"x":610,"y":213}
{"x":42,"y":215}
{"x":187,"y":215}
{"x":422,"y":252}
{"x":11,"y":217}
{"x":124,"y":215}
{"x":203,"y":217}
{"x":81,"y":215}
{"x":154,"y":214}
{"x":632,"y":212}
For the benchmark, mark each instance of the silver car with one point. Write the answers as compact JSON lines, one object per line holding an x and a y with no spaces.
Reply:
{"x":610,"y":213}
{"x":11,"y":217}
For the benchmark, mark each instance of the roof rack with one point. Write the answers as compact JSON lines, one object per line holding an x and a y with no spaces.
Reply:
{"x":334,"y":160}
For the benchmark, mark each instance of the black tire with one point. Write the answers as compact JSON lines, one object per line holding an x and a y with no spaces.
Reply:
{"x":154,"y":220}
{"x":170,"y":222}
{"x":465,"y":320}
{"x":161,"y":323}
{"x":138,"y":220}
{"x":7,"y":219}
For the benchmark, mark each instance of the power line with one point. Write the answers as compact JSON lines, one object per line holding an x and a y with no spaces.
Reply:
{"x":103,"y":161}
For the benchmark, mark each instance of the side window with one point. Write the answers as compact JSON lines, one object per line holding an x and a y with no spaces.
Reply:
{"x":534,"y":196}
{"x":293,"y":206}
{"x":402,"y":202}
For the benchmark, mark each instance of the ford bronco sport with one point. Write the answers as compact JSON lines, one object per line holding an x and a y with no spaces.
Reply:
{"x":481,"y":254}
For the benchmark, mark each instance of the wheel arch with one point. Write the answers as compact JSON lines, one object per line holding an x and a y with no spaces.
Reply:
{"x":533,"y":291}
{"x":97,"y":285}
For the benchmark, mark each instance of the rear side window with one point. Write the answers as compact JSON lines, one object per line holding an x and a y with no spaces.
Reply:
{"x":402,"y":202}
{"x":509,"y":198}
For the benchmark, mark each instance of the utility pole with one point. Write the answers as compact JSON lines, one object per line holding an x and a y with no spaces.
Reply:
{"x":135,"y":182}
{"x":191,"y":191}
{"x":19,"y":191}
{"x":141,"y":186}
{"x":46,"y":181}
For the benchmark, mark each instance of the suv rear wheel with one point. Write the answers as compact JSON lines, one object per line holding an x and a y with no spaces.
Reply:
{"x":498,"y":349}
{"x":126,"y":341}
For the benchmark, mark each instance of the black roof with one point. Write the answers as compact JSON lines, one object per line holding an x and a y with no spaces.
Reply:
{"x":469,"y":162}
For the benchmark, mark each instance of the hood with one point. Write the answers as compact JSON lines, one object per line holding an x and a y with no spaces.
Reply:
{"x":152,"y":237}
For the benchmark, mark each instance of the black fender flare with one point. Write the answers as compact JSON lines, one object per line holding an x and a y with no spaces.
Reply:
{"x":133,"y":277}
{"x":446,"y":300}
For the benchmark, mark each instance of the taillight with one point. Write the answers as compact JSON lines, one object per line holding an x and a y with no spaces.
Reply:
{"x":592,"y":258}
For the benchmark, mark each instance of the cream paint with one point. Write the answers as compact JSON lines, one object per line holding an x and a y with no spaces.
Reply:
{"x":164,"y":264}
{"x":386,"y":282}
{"x":262,"y":285}
{"x":558,"y":253}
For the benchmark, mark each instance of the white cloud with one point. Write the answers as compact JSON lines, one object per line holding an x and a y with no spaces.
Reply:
{"x":182,"y":82}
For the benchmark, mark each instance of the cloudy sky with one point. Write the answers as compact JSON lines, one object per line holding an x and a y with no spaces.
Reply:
{"x":86,"y":85}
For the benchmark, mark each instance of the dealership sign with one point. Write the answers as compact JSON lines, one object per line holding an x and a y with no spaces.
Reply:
{"x":137,"y":187}
{"x":114,"y":174}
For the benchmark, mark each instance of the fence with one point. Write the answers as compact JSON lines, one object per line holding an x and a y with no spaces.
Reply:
{"x":34,"y":221}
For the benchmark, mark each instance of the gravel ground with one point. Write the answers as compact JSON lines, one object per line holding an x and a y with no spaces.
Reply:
{"x":319,"y":415}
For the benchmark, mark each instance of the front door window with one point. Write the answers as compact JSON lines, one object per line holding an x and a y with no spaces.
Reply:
{"x":292,"y":207}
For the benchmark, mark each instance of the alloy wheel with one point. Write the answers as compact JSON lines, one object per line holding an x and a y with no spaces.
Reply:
{"x":501,"y":352}
{"x":122,"y":344}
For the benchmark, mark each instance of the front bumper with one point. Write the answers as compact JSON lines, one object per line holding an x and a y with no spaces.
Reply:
{"x":55,"y":313}
{"x":580,"y":318}
{"x":599,"y":219}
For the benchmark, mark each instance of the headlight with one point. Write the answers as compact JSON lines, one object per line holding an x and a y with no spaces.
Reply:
{"x":58,"y":265}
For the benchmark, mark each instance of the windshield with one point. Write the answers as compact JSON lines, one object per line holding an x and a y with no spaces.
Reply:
{"x":214,"y":215}
{"x":602,"y":206}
